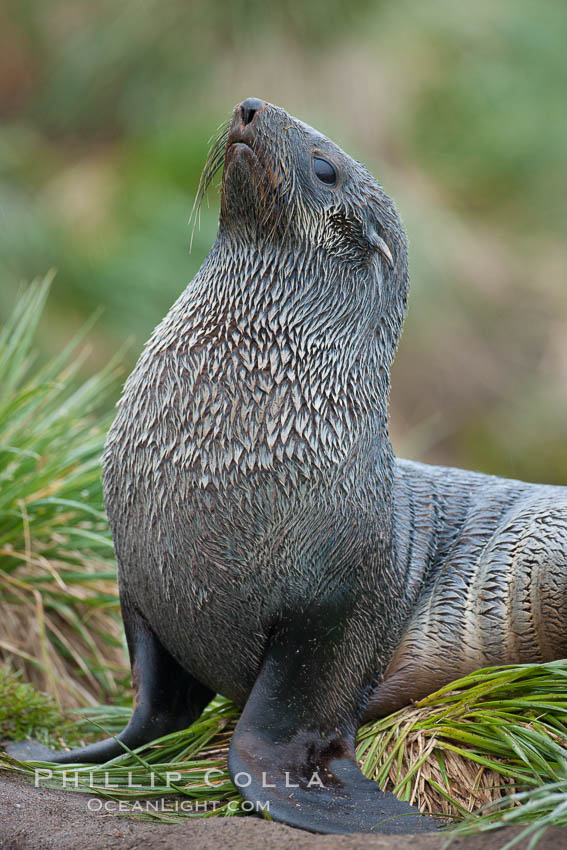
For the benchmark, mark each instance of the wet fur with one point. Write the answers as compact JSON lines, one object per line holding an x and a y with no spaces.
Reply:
{"x":270,"y":547}
{"x":249,"y":477}
{"x":247,"y":460}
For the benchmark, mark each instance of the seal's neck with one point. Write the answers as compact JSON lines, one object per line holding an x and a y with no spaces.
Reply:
{"x":302,"y":333}
{"x":287,"y":375}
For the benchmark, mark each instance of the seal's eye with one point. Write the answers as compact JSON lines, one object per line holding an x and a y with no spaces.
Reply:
{"x":324,"y":170}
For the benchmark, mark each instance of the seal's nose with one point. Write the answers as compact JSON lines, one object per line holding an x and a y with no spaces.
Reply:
{"x":249,"y":108}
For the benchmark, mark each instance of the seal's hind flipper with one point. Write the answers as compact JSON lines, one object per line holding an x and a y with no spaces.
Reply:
{"x":167,"y":699}
{"x":302,"y":772}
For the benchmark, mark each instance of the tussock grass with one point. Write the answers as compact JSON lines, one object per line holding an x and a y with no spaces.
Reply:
{"x":24,"y":711}
{"x":60,"y":620}
{"x":493,"y":732}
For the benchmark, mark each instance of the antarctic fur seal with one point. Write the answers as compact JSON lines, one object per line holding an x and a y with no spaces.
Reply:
{"x":269,"y":545}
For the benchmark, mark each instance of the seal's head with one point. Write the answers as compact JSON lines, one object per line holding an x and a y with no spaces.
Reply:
{"x":288,"y":186}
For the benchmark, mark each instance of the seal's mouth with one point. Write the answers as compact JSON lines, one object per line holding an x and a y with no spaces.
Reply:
{"x":239,"y":143}
{"x":238,"y":146}
{"x":242,"y":133}
{"x":239,"y":151}
{"x":239,"y":138}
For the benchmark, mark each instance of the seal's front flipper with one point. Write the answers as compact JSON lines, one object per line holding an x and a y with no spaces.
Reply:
{"x":301,"y":772}
{"x":328,"y":796}
{"x":167,"y":699}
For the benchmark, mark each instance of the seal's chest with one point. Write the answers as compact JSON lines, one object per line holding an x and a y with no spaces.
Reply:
{"x":217,"y":465}
{"x":213,"y":414}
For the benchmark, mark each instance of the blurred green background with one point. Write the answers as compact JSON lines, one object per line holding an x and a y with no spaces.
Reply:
{"x":458,"y":108}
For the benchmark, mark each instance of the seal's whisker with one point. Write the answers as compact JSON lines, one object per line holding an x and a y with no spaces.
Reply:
{"x":266,"y":189}
{"x":275,"y":186}
{"x":281,"y":192}
{"x":213,"y":164}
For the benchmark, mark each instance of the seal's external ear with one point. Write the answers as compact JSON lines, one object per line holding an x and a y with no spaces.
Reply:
{"x":379,"y":245}
{"x":375,"y":241}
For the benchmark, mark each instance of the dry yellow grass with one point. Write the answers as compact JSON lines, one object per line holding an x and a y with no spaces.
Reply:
{"x":62,"y":651}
